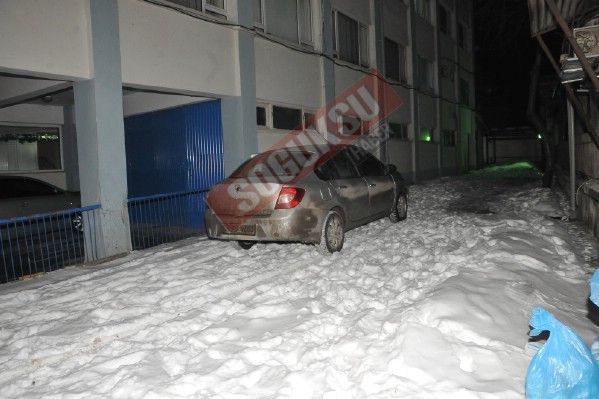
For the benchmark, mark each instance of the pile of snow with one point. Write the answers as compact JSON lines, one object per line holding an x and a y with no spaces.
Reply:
{"x":433,"y":307}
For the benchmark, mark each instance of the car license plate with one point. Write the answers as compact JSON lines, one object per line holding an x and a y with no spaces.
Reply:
{"x":244,"y":230}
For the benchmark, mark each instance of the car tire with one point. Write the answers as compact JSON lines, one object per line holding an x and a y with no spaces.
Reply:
{"x":333,"y":233}
{"x":400,"y":209}
{"x":77,"y":222}
{"x":245,"y":245}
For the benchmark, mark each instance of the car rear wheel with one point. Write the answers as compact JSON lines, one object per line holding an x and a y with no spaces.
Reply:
{"x":400,"y":210}
{"x":333,"y":233}
{"x":245,"y":244}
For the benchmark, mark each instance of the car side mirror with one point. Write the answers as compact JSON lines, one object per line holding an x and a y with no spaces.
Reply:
{"x":390,"y":169}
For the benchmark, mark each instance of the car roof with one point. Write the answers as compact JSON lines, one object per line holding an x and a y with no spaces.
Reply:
{"x":13,"y":177}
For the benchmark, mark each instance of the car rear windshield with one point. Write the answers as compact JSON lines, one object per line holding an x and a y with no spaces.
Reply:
{"x":275,"y":163}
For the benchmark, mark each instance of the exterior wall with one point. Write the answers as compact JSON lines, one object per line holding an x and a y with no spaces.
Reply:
{"x":47,"y":38}
{"x":165,"y":50}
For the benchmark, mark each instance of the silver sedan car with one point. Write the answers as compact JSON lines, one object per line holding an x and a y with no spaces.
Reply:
{"x":305,"y":194}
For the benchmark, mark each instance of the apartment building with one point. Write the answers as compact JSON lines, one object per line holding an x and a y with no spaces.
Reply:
{"x":89,"y":87}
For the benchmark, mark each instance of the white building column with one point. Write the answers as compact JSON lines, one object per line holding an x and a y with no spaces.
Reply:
{"x":414,"y":97}
{"x":379,"y":51}
{"x":326,"y":63}
{"x":101,"y":133}
{"x":240,"y":134}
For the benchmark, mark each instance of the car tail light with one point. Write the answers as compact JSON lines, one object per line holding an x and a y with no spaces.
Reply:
{"x":289,"y":197}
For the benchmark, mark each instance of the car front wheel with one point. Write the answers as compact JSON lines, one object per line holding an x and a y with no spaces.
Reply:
{"x":333,"y":233}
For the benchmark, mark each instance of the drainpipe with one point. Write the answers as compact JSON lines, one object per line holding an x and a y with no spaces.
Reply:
{"x":572,"y":155}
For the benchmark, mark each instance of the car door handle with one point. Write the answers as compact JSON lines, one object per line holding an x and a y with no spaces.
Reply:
{"x":371,"y":184}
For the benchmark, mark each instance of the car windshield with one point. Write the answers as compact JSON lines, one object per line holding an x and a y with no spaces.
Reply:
{"x":284,"y":162}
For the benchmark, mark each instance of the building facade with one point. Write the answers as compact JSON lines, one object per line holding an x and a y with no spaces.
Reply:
{"x":71,"y":71}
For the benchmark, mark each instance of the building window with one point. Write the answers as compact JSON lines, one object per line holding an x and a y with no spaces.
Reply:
{"x":444,"y":20}
{"x":309,"y":121}
{"x":462,"y":36}
{"x":258,"y":16}
{"x":29,"y":148}
{"x":398,"y":131}
{"x":423,"y":8}
{"x":449,"y":138}
{"x":464,"y":91}
{"x":305,"y":21}
{"x":288,"y":19}
{"x":351,"y":126}
{"x":425,"y":74}
{"x":395,"y":60}
{"x":261,"y":116}
{"x":286,"y":118}
{"x":351,"y":40}
{"x":426,"y":135}
{"x":216,"y":8}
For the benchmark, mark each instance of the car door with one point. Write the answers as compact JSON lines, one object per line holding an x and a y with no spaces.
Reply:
{"x":350,"y":187}
{"x":381,"y":187}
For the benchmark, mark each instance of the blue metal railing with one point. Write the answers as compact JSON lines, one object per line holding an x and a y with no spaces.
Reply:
{"x":161,"y":218}
{"x":45,"y":242}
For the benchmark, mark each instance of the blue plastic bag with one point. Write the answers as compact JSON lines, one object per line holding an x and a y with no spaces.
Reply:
{"x":595,"y":299}
{"x":564,"y":367}
{"x":595,"y":288}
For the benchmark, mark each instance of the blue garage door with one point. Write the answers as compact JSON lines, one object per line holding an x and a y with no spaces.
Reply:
{"x":173,"y":157}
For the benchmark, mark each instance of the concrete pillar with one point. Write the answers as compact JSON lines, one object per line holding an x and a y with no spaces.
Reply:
{"x":379,"y":49}
{"x":326,"y":63}
{"x":240,"y":137}
{"x":414,"y":93}
{"x":101,"y":133}
{"x":69,"y":149}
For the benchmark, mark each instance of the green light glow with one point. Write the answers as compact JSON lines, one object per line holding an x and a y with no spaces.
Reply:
{"x":425,"y":135}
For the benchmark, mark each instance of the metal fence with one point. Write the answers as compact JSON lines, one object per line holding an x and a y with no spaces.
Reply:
{"x":161,"y":218}
{"x":46,"y":242}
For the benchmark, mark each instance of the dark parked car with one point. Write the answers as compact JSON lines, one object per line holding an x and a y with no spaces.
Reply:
{"x":24,"y":196}
{"x":329,"y":194}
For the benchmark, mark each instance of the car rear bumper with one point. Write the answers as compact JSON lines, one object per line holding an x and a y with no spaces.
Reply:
{"x":299,"y":225}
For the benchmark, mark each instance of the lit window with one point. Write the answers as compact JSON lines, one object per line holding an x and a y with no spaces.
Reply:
{"x":351,"y":40}
{"x":29,"y":148}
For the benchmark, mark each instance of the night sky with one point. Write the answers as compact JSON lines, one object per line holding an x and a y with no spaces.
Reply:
{"x":504,"y":54}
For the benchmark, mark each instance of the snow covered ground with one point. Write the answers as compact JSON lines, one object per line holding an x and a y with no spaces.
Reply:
{"x":434,"y":307}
